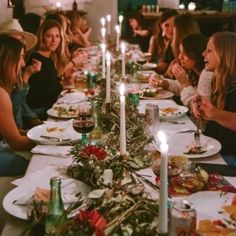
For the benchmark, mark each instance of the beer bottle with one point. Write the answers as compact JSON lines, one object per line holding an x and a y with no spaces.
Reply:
{"x":74,"y":6}
{"x":56,"y":213}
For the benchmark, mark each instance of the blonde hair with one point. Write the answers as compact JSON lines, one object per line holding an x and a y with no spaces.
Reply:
{"x":184,"y":25}
{"x":59,"y":56}
{"x":10,"y":51}
{"x":225,"y":73}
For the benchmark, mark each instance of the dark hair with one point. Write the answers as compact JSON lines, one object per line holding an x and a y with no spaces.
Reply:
{"x":168,"y":14}
{"x":10,"y":49}
{"x":138,"y":17}
{"x":194,"y":45}
{"x":31,"y":22}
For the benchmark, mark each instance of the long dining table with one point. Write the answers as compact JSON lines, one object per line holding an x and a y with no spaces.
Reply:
{"x":14,"y":226}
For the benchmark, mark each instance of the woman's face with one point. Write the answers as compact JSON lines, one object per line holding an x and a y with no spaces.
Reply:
{"x":185,"y":61}
{"x":52,"y":39}
{"x":210,"y":57}
{"x":133,"y":23}
{"x":168,"y":27}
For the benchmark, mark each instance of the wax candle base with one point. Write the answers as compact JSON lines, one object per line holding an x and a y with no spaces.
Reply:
{"x":124,"y":156}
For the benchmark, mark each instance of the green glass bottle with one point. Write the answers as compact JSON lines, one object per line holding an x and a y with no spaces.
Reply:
{"x":56,"y":213}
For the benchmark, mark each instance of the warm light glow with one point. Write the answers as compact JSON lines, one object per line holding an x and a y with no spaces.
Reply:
{"x":86,"y":72}
{"x":162,"y":137}
{"x":117,"y":28}
{"x":103,"y":21}
{"x":120,"y":18}
{"x":192,"y":6}
{"x":122,"y":46}
{"x":181,"y":6}
{"x":108,"y":56}
{"x":58,"y":4}
{"x":103,"y":47}
{"x":103,"y":31}
{"x":108,"y":18}
{"x":122,"y":89}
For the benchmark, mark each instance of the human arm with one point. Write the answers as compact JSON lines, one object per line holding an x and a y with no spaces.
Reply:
{"x":141,"y":32}
{"x":8,"y":128}
{"x":31,"y":69}
{"x":180,"y":74}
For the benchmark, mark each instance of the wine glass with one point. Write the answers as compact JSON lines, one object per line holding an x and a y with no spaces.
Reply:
{"x":141,"y":61}
{"x":84,"y":123}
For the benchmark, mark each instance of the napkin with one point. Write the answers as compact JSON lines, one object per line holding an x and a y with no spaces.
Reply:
{"x":71,"y":191}
{"x":58,"y":151}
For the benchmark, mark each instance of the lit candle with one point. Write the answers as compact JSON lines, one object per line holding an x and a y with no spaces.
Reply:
{"x":58,"y":6}
{"x":122,"y":121}
{"x":103,"y":21}
{"x":163,"y":193}
{"x":103,"y":32}
{"x":108,"y":81}
{"x":117,"y":28}
{"x":120,"y":18}
{"x":192,"y":6}
{"x":123,"y":59}
{"x":103,"y":47}
{"x":108,"y":24}
{"x":181,"y":6}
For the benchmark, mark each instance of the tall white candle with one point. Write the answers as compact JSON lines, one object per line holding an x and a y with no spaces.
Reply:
{"x":120,"y":19}
{"x":108,"y":24}
{"x":122,"y":121}
{"x":117,"y":28}
{"x":163,"y":197}
{"x":103,"y":21}
{"x":108,"y":80}
{"x":123,"y":59}
{"x":103,"y":32}
{"x":103,"y":47}
{"x":58,"y":6}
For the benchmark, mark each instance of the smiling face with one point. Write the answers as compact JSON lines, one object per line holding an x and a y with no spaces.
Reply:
{"x":185,"y":61}
{"x":211,"y":58}
{"x":52,"y":39}
{"x":168,"y":27}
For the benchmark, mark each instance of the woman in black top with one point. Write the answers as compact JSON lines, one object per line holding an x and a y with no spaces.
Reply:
{"x":45,"y":85}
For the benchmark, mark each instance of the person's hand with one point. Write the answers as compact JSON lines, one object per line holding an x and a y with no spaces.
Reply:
{"x":207,"y":109}
{"x":180,"y":75}
{"x":31,"y":69}
{"x":196,"y":106}
{"x":169,"y":73}
{"x":158,"y":83}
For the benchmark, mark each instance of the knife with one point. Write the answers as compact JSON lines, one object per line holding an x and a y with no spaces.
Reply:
{"x":54,"y":138}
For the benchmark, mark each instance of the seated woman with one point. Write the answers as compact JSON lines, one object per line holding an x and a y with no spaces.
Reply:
{"x":220,"y":113}
{"x":138,"y":32}
{"x":12,"y":60}
{"x":187,"y":70}
{"x":184,"y":25}
{"x":162,"y":35}
{"x":45,"y":85}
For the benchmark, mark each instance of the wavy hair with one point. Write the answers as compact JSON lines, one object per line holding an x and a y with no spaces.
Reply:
{"x":59,"y":56}
{"x":10,"y":50}
{"x":184,"y":25}
{"x":225,"y":73}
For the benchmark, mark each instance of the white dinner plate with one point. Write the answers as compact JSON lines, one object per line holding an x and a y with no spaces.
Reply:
{"x":146,"y":72}
{"x":74,"y":97}
{"x":180,"y":143}
{"x":148,"y":66}
{"x":64,"y":110}
{"x":172,"y":112}
{"x":208,"y":205}
{"x":161,"y":94}
{"x":60,"y":130}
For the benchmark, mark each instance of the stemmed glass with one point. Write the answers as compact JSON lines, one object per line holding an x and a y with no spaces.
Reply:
{"x":84,"y":122}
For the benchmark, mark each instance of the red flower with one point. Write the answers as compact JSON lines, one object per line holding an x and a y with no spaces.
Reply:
{"x":98,"y":223}
{"x":99,"y":152}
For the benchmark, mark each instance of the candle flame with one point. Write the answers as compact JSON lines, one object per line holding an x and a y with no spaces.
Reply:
{"x":58,"y":4}
{"x":108,"y":56}
{"x":117,"y":28}
{"x":122,"y":46}
{"x":192,"y":6}
{"x":103,"y":47}
{"x":122,"y":89}
{"x":103,"y":31}
{"x":162,"y":137}
{"x":103,"y":21}
{"x":120,"y":18}
{"x":109,"y":18}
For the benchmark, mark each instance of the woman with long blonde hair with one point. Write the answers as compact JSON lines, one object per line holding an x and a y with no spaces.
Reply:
{"x":220,"y":57}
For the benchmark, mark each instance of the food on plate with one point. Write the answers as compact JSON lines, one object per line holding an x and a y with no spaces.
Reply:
{"x":195,"y":150}
{"x":169,"y":110}
{"x":193,"y":180}
{"x":142,"y":78}
{"x":42,"y":194}
{"x":54,"y":129}
{"x":66,"y":111}
{"x":149,"y":92}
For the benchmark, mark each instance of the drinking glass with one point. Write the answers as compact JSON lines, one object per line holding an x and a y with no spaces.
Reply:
{"x":84,"y":123}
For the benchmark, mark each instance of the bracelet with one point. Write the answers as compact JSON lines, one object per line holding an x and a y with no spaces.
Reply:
{"x":74,"y":64}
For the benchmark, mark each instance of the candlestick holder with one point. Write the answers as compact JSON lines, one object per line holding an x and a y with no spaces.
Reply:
{"x":125,"y":156}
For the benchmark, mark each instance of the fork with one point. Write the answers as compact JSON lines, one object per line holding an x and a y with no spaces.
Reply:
{"x":196,"y":135}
